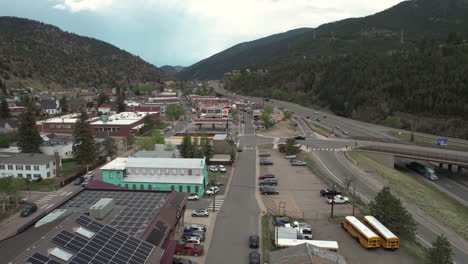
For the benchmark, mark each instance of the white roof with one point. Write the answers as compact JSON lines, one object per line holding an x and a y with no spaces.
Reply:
{"x":166,"y":163}
{"x":360,"y":226}
{"x":285,"y":242}
{"x":179,"y":179}
{"x":379,"y":227}
{"x":124,"y":118}
{"x":70,"y":118}
{"x":116,"y":164}
{"x":220,"y":137}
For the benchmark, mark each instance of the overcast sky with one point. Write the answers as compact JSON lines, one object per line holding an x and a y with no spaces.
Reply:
{"x":182,"y":32}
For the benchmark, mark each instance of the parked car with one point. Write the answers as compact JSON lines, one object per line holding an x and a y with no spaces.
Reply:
{"x":269,"y":191}
{"x":301,"y":226}
{"x":200,"y":213}
{"x":86,"y":181}
{"x":269,"y":181}
{"x":298,"y":163}
{"x":291,"y":156}
{"x":28,"y":210}
{"x":199,"y":226}
{"x":299,"y":137}
{"x":183,"y":261}
{"x":212,"y":190}
{"x":193,"y":197}
{"x":264,"y":154}
{"x":266,"y":162}
{"x":197,"y":233}
{"x":318,"y":119}
{"x":192,"y":239}
{"x":338,"y":199}
{"x":195,"y":228}
{"x":327,"y":192}
{"x":308,"y":117}
{"x":78,"y":181}
{"x":90,"y":174}
{"x":189,"y":249}
{"x":266,"y":176}
{"x":213,"y":168}
{"x":254,"y":257}
{"x":254,"y":241}
{"x":281,"y":220}
{"x":222,"y":169}
{"x":345,"y":133}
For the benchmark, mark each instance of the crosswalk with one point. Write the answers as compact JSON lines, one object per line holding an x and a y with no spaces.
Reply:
{"x":46,"y":199}
{"x":252,"y":148}
{"x":329,"y":149}
{"x":217,"y":204}
{"x":247,"y":135}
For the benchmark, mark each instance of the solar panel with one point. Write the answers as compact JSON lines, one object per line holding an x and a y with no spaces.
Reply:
{"x":37,"y":258}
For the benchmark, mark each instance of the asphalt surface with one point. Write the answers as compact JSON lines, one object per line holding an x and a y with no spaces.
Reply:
{"x":330,"y":163}
{"x":238,"y":218}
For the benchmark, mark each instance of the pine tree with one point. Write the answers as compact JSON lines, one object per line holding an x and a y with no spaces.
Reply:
{"x":4,"y":110}
{"x":186,"y":148}
{"x":109,"y":147}
{"x":440,"y":252}
{"x":29,"y":139}
{"x":207,"y":149}
{"x":389,"y":210}
{"x":120,"y":100}
{"x":197,"y":149}
{"x":84,"y":145}
{"x":64,"y":104}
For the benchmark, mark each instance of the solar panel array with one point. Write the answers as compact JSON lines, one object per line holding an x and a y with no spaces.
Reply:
{"x":108,"y":245}
{"x":37,"y":258}
{"x":135,"y":209}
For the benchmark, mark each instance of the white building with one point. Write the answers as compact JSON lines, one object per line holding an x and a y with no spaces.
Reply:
{"x":29,"y":165}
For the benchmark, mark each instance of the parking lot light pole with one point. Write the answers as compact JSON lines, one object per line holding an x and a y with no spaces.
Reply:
{"x":333,"y":200}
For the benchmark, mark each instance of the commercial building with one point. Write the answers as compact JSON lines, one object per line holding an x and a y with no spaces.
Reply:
{"x":31,"y":166}
{"x":168,"y":174}
{"x":103,"y":224}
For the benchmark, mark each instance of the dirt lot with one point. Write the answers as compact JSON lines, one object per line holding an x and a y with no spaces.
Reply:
{"x":301,"y":186}
{"x":280,"y":129}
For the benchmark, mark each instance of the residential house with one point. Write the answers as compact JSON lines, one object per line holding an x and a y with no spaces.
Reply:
{"x":104,"y":108}
{"x":63,"y":145}
{"x":51,"y":106}
{"x":17,"y":110}
{"x":167,"y":174}
{"x":75,"y":104}
{"x":31,"y":166}
{"x":9,"y":125}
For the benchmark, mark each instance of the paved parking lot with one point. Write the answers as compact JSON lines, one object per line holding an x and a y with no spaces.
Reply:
{"x":302,"y":186}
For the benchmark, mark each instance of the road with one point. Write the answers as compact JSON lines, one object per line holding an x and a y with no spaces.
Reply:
{"x":338,"y":169}
{"x":239,"y":215}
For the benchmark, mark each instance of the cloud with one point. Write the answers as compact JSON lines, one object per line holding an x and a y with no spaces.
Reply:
{"x":83,"y":5}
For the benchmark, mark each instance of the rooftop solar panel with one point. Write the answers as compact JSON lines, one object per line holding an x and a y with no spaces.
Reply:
{"x":37,"y":258}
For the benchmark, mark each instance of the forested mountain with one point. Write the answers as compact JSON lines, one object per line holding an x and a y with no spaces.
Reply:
{"x":43,"y":56}
{"x":361,"y":68}
{"x":171,"y":70}
{"x":241,"y":55}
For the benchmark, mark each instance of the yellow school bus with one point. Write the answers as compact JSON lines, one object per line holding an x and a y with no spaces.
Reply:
{"x":360,"y":232}
{"x":387,"y":238}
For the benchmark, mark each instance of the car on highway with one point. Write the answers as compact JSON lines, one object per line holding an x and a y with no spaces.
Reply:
{"x":254,"y":257}
{"x":266,"y":176}
{"x":222,"y":169}
{"x":339,"y":199}
{"x":254,"y":241}
{"x":318,"y":119}
{"x":327,"y":192}
{"x":266,"y":162}
{"x":298,"y":163}
{"x":193,"y":197}
{"x":28,"y":210}
{"x":200,"y":213}
{"x":269,"y":191}
{"x":345,"y":133}
{"x":308,"y":117}
{"x":78,"y":181}
{"x":183,"y":261}
{"x":264,"y":154}
{"x":299,"y":137}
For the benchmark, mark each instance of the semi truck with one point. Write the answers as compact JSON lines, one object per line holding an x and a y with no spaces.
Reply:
{"x":425,"y":171}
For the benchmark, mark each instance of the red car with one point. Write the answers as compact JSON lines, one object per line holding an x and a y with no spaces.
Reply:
{"x":266,"y":176}
{"x":189,"y":249}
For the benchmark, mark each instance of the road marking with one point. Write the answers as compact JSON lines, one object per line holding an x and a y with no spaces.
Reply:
{"x":43,"y":206}
{"x":423,"y":240}
{"x":49,"y":206}
{"x":68,"y":193}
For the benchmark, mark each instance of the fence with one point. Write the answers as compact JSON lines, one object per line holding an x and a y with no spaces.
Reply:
{"x":80,"y":173}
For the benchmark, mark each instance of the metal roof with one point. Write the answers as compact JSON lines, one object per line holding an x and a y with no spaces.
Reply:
{"x":165,"y":163}
{"x":360,"y":226}
{"x":379,"y":227}
{"x":28,"y":159}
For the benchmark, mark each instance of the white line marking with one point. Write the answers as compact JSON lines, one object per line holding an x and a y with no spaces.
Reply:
{"x":49,"y":206}
{"x":43,"y":206}
{"x":423,"y":240}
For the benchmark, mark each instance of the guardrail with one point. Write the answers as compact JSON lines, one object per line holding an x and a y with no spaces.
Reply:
{"x":445,"y":156}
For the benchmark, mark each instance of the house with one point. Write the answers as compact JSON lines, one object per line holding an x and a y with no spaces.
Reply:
{"x":63,"y":145}
{"x":305,"y":254}
{"x":31,"y":166}
{"x":17,"y":110}
{"x":160,"y":151}
{"x":104,"y":108}
{"x":7,"y":126}
{"x":75,"y":104}
{"x":169,"y":174}
{"x":51,"y":106}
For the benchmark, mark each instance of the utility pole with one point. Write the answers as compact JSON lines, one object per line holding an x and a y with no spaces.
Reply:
{"x":354,"y":196}
{"x":333,"y":201}
{"x":214,"y":192}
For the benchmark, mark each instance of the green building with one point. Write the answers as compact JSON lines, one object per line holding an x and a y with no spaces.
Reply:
{"x":165,"y":174}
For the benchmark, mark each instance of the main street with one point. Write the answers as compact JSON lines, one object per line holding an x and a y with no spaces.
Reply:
{"x":238,"y":218}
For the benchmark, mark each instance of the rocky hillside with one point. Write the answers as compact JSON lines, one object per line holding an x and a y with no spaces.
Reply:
{"x":45,"y":57}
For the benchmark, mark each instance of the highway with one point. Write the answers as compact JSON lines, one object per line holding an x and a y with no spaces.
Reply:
{"x":334,"y":164}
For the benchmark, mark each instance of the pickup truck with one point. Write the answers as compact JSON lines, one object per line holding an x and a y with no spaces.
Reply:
{"x":189,"y":249}
{"x":329,"y":193}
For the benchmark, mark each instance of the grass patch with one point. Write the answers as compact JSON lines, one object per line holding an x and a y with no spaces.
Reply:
{"x":433,"y":202}
{"x":70,"y":168}
{"x":427,"y":142}
{"x":47,"y":185}
{"x":266,"y":238}
{"x":319,"y":129}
